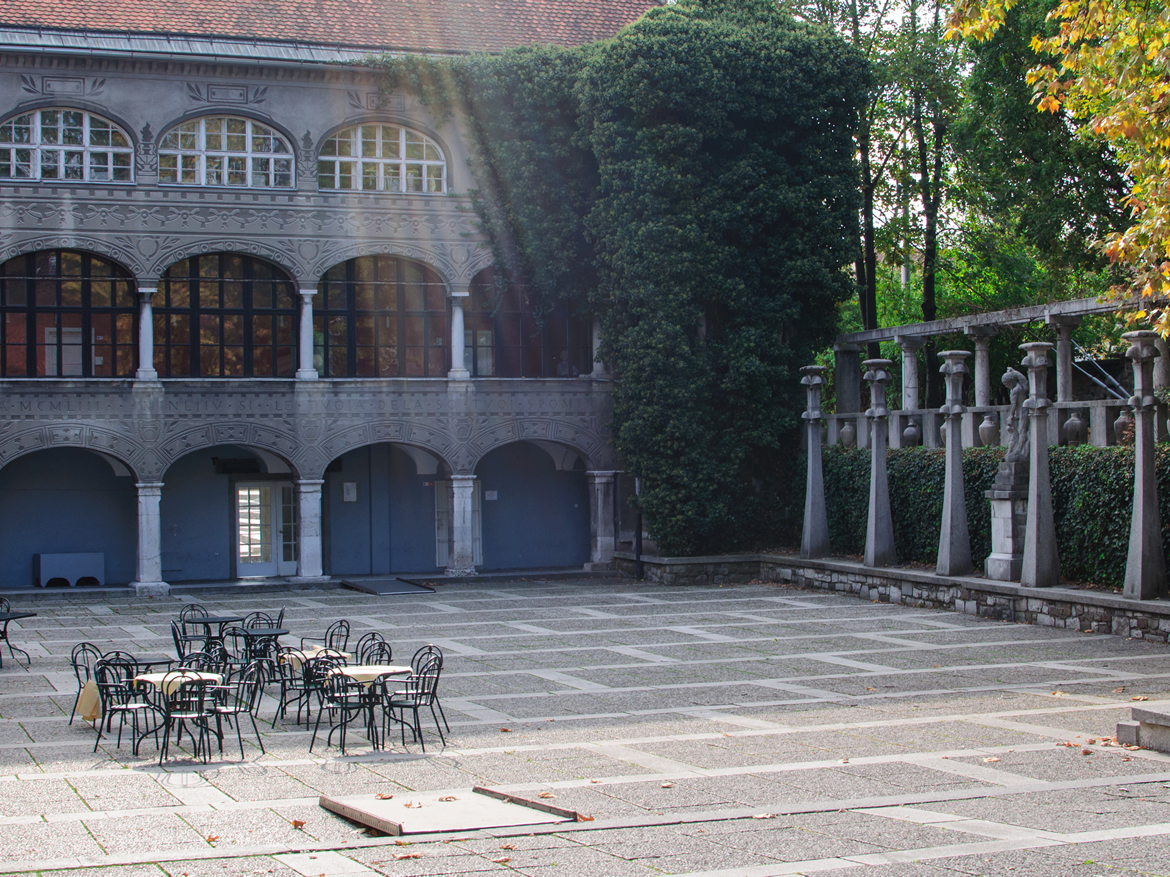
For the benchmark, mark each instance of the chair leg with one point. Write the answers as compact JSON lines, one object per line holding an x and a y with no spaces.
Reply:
{"x":439,"y":704}
{"x":437,"y":728}
{"x":257,"y":730}
{"x":74,"y":711}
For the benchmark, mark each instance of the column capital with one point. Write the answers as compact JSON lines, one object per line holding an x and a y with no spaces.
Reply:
{"x":146,"y":486}
{"x":910,"y":343}
{"x":306,"y":291}
{"x":981,"y":333}
{"x":460,"y":289}
{"x":308,"y":482}
{"x":601,"y":474}
{"x":463,"y":479}
{"x":147,"y":291}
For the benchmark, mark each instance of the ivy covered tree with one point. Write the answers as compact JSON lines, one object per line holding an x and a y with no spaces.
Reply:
{"x":693,"y":183}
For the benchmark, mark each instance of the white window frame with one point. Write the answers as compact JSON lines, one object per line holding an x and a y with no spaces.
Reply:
{"x":197,"y":164}
{"x":37,"y":152}
{"x":382,"y":157}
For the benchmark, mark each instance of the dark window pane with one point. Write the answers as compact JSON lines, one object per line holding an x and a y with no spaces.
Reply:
{"x":262,"y":362}
{"x":365,"y":362}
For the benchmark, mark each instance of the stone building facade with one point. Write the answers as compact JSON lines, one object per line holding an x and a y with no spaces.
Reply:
{"x":247,"y":326}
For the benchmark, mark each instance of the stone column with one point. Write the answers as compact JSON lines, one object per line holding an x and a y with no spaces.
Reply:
{"x":814,"y":541}
{"x":1064,"y":327}
{"x":148,"y":569}
{"x":462,"y":560}
{"x":954,"y":543}
{"x":146,"y":370}
{"x":1161,"y":381}
{"x":909,"y":345}
{"x":982,"y":336}
{"x":1145,"y":569}
{"x":600,"y":370}
{"x":879,"y":531}
{"x":1041,"y":564}
{"x":601,"y":539}
{"x":309,"y":549}
{"x":458,"y":372}
{"x":305,"y":369}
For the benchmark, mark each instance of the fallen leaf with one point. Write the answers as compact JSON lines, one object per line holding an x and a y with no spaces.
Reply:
{"x":871,"y":689}
{"x":212,"y":838}
{"x":765,"y":816}
{"x":1058,"y":694}
{"x":505,"y":730}
{"x":413,"y":805}
{"x":448,"y":798}
{"x":546,"y":795}
{"x":1140,"y":697}
{"x":382,"y":796}
{"x":408,"y":855}
{"x":1066,"y":743}
{"x":507,"y":846}
{"x":402,"y":843}
{"x":990,"y":760}
{"x":843,"y":761}
{"x":668,"y":785}
{"x":505,"y":860}
{"x":1091,"y":740}
{"x":581,"y":817}
{"x":298,"y":824}
{"x":1131,"y":747}
{"x":595,"y":781}
{"x":1086,"y":752}
{"x":1126,"y":758}
{"x":1119,"y":690}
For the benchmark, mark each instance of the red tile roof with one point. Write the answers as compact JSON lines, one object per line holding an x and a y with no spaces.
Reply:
{"x":434,"y":25}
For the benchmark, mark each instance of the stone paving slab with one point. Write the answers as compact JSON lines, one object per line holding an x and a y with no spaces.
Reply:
{"x":743,"y":731}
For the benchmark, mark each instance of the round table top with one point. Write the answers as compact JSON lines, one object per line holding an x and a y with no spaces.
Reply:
{"x":369,"y":672}
{"x":213,"y":619}
{"x":262,"y":631}
{"x":156,"y":679}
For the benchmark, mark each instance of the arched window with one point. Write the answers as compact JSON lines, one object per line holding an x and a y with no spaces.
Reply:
{"x":503,"y":336}
{"x":224,"y":315}
{"x":66,"y":314}
{"x":225,"y":151}
{"x":379,"y":317}
{"x":64,"y":144}
{"x":382,"y":158}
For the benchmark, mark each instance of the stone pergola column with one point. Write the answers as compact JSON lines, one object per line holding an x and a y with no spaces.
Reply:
{"x":305,"y":369}
{"x":1145,"y":568}
{"x":879,"y":531}
{"x":1161,"y":381}
{"x":954,"y":544}
{"x":459,"y":296}
{"x":146,"y":370}
{"x":1064,"y":327}
{"x":601,"y":536}
{"x":1041,"y":564}
{"x":309,"y":549}
{"x":909,"y":345}
{"x":462,"y":559}
{"x":814,"y":540}
{"x":148,"y":567}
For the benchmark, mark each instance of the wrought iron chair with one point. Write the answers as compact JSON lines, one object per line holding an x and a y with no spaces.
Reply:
{"x":344,"y":698}
{"x":291,"y":677}
{"x":5,"y":606}
{"x":363,"y":644}
{"x":186,"y":699}
{"x":416,"y":662}
{"x":239,"y":698}
{"x":83,"y":658}
{"x":119,"y":696}
{"x":419,"y":692}
{"x":336,"y":637}
{"x":378,"y":653}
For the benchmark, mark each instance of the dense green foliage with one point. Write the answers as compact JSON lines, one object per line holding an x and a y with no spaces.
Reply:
{"x":1092,"y":490}
{"x":691,"y":181}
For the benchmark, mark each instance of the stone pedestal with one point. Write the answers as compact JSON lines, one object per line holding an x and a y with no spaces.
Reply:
{"x":462,"y":561}
{"x":1009,"y":517}
{"x":309,"y":548}
{"x":879,"y":532}
{"x":601,"y":538}
{"x":1041,"y":566}
{"x":954,"y":544}
{"x":814,"y":540}
{"x":1145,"y":568}
{"x":148,"y":581}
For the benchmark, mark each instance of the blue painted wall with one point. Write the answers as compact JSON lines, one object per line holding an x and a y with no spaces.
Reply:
{"x":197,"y":517}
{"x":65,"y":500}
{"x":541,"y":516}
{"x":391,"y":526}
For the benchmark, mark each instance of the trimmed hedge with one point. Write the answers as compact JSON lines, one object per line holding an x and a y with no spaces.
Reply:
{"x":1092,"y":504}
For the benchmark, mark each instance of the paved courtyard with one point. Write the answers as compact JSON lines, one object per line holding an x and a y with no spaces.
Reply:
{"x":750,"y":730}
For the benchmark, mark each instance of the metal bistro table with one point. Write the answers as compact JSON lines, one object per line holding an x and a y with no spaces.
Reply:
{"x":366,"y":675}
{"x":5,"y":618}
{"x":207,"y":620}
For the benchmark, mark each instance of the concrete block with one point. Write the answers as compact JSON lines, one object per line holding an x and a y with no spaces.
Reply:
{"x":1127,"y":733}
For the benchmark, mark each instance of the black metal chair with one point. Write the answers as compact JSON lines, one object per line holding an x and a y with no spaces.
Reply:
{"x":5,"y":606}
{"x":378,"y":653}
{"x":419,"y":692}
{"x":238,"y":698}
{"x":187,"y":698}
{"x":237,"y":650}
{"x":336,"y":637}
{"x":366,"y":641}
{"x":119,"y":696}
{"x":316,"y":671}
{"x":345,"y":699}
{"x":416,"y":662}
{"x":204,"y":662}
{"x":292,"y":683}
{"x":83,"y":658}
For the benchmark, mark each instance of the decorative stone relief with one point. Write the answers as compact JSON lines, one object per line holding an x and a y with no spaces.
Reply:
{"x":218,"y":93}
{"x":307,"y":160}
{"x":146,"y":158}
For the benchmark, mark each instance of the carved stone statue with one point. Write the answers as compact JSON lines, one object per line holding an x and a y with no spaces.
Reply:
{"x":1017,"y":427}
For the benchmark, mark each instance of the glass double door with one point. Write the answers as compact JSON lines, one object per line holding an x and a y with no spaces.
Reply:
{"x":266,"y":527}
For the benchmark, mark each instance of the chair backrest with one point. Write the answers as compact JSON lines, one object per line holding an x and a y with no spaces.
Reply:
{"x":316,"y":669}
{"x":5,"y":606}
{"x":124,"y":660}
{"x":337,"y":635}
{"x":177,"y":636}
{"x":83,"y":657}
{"x":204,"y":661}
{"x":337,"y":688}
{"x":378,"y":653}
{"x":113,"y":677}
{"x":246,"y":688}
{"x":421,"y":656}
{"x":192,"y":610}
{"x":259,"y":619}
{"x":235,"y":643}
{"x":184,"y":693}
{"x":421,"y":685}
{"x":280,"y":617}
{"x":367,"y":640}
